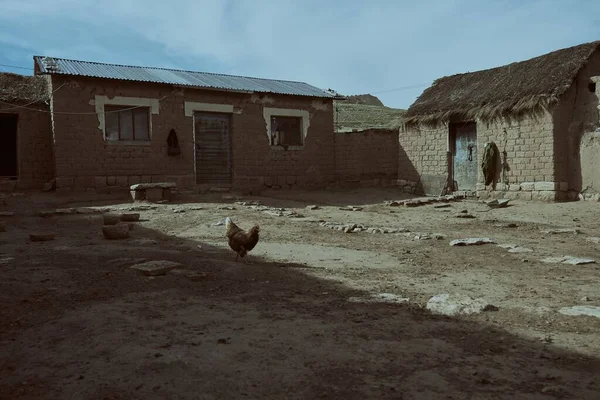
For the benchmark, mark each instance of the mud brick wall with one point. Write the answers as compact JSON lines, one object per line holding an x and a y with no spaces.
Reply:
{"x":35,"y":161}
{"x":422,"y":159}
{"x":368,"y":158}
{"x":528,"y":173}
{"x":85,"y":161}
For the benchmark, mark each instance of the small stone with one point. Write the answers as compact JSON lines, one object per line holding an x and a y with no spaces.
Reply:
{"x":6,"y":213}
{"x":229,"y":208}
{"x":155,"y":268}
{"x":472,"y":242}
{"x":111,"y":219}
{"x":585,"y":298}
{"x":313,"y":207}
{"x":519,"y":249}
{"x":451,"y":305}
{"x":42,"y":237}
{"x":491,"y":307}
{"x":443,"y":205}
{"x":466,"y":216}
{"x":130,"y":217}
{"x":179,"y":211}
{"x":124,"y":262}
{"x":349,"y":228}
{"x":592,"y":311}
{"x":464,"y":211}
{"x":116,"y":232}
{"x":561,"y":230}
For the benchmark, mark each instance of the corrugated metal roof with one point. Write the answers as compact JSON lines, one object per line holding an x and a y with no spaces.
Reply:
{"x":52,"y":65}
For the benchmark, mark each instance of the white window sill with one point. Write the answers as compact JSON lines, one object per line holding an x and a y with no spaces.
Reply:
{"x":128,"y":142}
{"x":287,"y":148}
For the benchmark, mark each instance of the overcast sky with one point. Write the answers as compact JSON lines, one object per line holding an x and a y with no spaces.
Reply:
{"x":351,"y":46}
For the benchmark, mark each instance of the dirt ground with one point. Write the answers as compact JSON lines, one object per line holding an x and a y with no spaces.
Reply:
{"x":299,"y":321}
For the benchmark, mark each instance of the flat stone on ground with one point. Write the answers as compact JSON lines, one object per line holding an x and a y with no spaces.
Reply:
{"x":115,"y":232}
{"x":451,"y":305}
{"x":472,"y":242}
{"x":592,"y":311}
{"x":157,"y":185}
{"x":155,"y":268}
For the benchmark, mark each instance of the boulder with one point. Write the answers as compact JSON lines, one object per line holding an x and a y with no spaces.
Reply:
{"x":115,"y":232}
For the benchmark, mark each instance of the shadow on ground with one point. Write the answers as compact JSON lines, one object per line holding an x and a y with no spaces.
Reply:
{"x":77,"y":324}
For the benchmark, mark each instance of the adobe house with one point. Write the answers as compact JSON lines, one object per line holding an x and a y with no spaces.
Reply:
{"x":114,"y":126}
{"x":26,"y":159}
{"x":543,"y":115}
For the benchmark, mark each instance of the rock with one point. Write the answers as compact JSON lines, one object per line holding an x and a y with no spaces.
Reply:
{"x":595,"y":240}
{"x":491,"y":307}
{"x":451,"y":305}
{"x":592,"y":311}
{"x":228,"y":208}
{"x":394,"y":204}
{"x":142,"y":208}
{"x":130,"y":217}
{"x":561,"y":230}
{"x":443,"y":205}
{"x":155,"y":268}
{"x":351,"y":208}
{"x":111,"y":219}
{"x":115,"y":232}
{"x":189,"y":274}
{"x":439,"y":236}
{"x":350,"y":228}
{"x":313,"y":207}
{"x":157,"y":185}
{"x":466,"y":216}
{"x":578,"y":261}
{"x":472,"y":242}
{"x":124,"y":262}
{"x":585,"y":298}
{"x":42,"y":237}
{"x":422,"y":236}
{"x":6,"y":213}
{"x":498,"y":203}
{"x":513,"y":248}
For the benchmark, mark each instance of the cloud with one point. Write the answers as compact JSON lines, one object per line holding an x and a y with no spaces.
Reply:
{"x":351,"y":46}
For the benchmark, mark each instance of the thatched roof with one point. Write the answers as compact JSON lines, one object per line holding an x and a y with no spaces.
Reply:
{"x":350,"y":117}
{"x":517,"y":89}
{"x":16,"y":88}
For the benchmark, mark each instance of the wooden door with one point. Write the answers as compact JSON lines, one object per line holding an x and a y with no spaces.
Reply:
{"x":465,"y":156}
{"x":213,"y":148}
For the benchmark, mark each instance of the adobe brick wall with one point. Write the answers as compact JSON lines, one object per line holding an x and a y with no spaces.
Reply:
{"x":367,"y":158}
{"x":422,"y":151}
{"x":529,"y":146}
{"x":576,"y":124}
{"x":85,"y":161}
{"x":35,"y":161}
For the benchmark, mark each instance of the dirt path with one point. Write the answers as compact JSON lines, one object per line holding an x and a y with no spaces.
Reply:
{"x":318,"y":313}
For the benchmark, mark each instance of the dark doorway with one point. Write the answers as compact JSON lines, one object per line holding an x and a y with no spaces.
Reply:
{"x":463,"y":143}
{"x":213,"y":148}
{"x":8,"y":145}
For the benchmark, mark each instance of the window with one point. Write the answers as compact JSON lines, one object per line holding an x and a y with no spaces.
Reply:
{"x":286,"y":131}
{"x":126,"y":124}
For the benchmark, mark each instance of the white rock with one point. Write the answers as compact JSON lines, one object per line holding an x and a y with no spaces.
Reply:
{"x":448,"y":304}
{"x":578,"y":261}
{"x":561,"y":230}
{"x":472,"y":242}
{"x":554,"y":260}
{"x":519,"y":249}
{"x":592,"y":311}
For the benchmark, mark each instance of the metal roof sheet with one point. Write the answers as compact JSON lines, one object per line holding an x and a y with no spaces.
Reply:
{"x":61,"y":66}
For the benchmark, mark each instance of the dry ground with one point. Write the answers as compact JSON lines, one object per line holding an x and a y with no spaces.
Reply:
{"x":75,"y":324}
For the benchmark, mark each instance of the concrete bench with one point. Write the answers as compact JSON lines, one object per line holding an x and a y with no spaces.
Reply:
{"x":157,"y":191}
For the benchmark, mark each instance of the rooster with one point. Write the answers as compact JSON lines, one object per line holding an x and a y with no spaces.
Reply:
{"x":241,"y":241}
